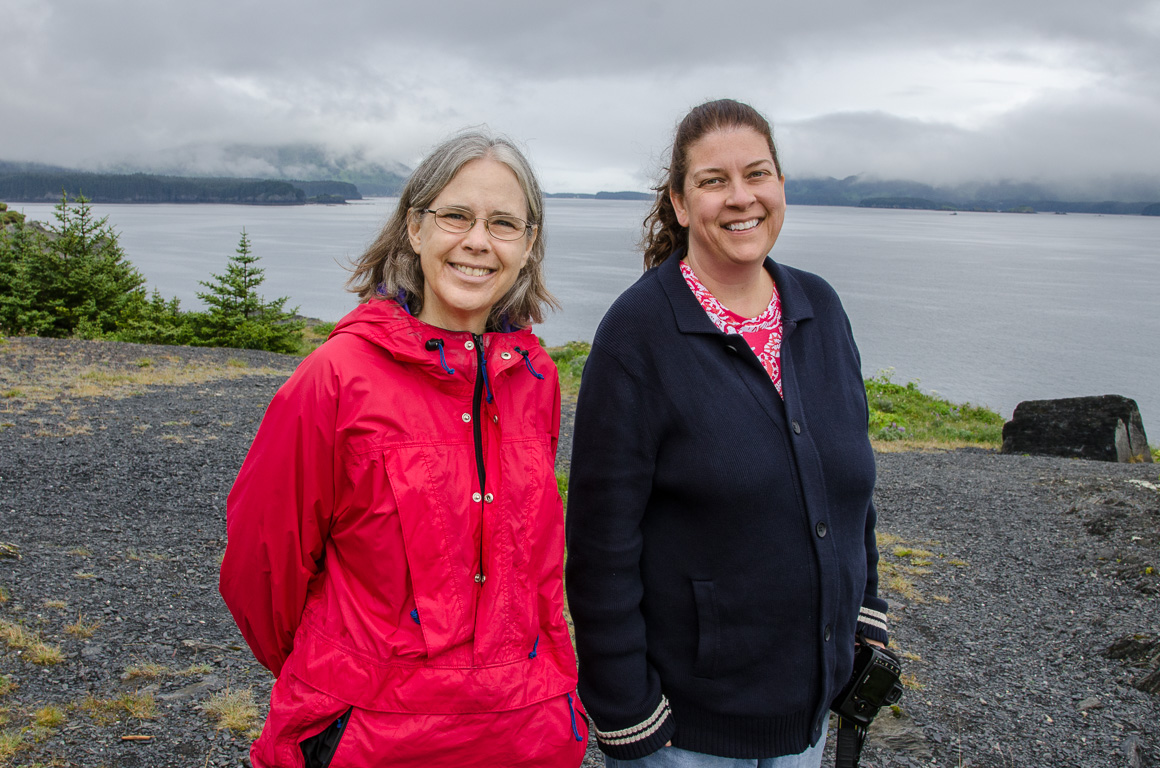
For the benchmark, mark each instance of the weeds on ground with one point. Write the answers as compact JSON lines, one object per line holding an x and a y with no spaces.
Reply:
{"x":151,"y":670}
{"x":3,"y":594}
{"x":29,"y":645}
{"x":10,"y":743}
{"x":233,"y":710}
{"x":48,"y":717}
{"x":81,"y":628}
{"x":59,"y":605}
{"x":7,"y":685}
{"x":140,"y":706}
{"x":62,"y":381}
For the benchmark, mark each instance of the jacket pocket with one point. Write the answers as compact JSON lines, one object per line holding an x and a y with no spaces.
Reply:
{"x":708,"y":629}
{"x":319,"y":749}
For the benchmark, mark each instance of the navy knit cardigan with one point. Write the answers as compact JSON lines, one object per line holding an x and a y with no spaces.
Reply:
{"x":721,"y":545}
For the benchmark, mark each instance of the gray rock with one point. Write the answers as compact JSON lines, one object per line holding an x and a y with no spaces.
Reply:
{"x":1089,"y":703}
{"x":1103,"y":428}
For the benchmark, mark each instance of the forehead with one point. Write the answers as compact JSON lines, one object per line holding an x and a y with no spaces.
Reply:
{"x":484,"y":185}
{"x":728,"y":148}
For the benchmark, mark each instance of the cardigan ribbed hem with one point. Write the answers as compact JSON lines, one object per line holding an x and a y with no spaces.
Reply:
{"x":730,"y":736}
{"x":752,"y":738}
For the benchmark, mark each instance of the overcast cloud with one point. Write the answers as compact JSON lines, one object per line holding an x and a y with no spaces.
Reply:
{"x":1058,"y":90}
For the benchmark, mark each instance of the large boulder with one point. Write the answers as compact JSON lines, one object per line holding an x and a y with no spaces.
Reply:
{"x":1103,"y":428}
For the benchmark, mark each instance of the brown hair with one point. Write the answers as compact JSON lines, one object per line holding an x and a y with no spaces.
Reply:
{"x":663,"y":234}
{"x":390,"y":268}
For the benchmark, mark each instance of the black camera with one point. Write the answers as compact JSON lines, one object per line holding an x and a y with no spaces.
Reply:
{"x":874,"y":684}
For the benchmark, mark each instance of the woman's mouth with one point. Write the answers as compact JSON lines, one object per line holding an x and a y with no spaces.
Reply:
{"x":741,"y":226}
{"x":472,"y":271}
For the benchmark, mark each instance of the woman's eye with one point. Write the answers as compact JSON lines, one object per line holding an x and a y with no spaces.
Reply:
{"x":453,"y":216}
{"x":710,"y":182}
{"x":502,"y":223}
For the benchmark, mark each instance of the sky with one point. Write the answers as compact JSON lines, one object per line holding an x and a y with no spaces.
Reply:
{"x":1049,"y":91}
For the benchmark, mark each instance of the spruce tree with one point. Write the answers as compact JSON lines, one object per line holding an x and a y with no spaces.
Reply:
{"x":239,"y":317}
{"x":74,"y":280}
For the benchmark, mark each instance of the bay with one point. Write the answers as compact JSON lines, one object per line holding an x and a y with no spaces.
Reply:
{"x":984,"y":308}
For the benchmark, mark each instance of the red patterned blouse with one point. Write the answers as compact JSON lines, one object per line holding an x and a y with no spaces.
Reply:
{"x":761,"y":333}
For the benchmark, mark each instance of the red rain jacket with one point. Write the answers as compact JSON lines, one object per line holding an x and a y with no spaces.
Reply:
{"x":369,"y":570}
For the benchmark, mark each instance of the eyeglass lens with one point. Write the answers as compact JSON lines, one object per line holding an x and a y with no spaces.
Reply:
{"x":459,"y":220}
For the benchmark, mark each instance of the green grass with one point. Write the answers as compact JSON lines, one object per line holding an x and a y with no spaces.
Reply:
{"x":562,"y":486}
{"x":313,"y":335}
{"x":570,"y":360}
{"x":902,"y":414}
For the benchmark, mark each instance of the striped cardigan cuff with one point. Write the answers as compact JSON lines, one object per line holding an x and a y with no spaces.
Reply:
{"x":638,"y":732}
{"x":873,"y":624}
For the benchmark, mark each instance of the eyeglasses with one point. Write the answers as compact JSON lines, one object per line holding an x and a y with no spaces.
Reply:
{"x":458,"y":220}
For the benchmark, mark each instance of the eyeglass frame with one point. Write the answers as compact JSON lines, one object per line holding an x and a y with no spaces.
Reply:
{"x":528,"y":226}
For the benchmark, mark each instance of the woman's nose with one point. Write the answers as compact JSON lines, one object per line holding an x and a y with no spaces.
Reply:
{"x":740,"y":196}
{"x":477,"y":237}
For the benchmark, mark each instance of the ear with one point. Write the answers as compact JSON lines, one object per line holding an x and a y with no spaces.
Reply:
{"x":534,"y":233}
{"x":678,"y":201}
{"x":414,"y":224}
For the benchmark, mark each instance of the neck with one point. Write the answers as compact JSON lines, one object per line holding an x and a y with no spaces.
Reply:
{"x":742,"y":288}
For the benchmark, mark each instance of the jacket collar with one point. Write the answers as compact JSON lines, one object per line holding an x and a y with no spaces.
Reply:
{"x":384,"y":323}
{"x":691,"y":317}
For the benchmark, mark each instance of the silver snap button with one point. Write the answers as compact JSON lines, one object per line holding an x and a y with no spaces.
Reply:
{"x":467,"y":417}
{"x":489,"y":498}
{"x":506,"y":355}
{"x":475,"y":496}
{"x":495,"y":419}
{"x":469,"y":345}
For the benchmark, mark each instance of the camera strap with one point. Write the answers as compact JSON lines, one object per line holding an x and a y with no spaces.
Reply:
{"x":851,"y":736}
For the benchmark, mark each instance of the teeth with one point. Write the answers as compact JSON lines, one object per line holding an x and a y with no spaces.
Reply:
{"x":741,"y":226}
{"x":472,"y":271}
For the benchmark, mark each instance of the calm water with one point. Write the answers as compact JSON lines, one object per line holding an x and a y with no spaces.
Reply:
{"x":986,"y":308}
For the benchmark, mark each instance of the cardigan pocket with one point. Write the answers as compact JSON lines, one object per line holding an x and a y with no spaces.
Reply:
{"x":708,"y":629}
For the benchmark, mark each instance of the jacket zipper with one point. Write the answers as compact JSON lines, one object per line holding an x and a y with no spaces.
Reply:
{"x":477,"y":421}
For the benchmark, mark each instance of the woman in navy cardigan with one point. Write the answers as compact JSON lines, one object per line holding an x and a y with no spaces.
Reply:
{"x":721,"y":550}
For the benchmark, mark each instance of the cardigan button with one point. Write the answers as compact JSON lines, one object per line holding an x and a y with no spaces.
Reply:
{"x":469,"y":345}
{"x":466,"y":417}
{"x":489,"y":498}
{"x":797,"y":428}
{"x":476,"y":497}
{"x":821,"y":529}
{"x":826,"y":633}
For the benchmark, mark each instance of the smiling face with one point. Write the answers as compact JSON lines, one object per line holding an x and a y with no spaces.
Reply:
{"x":466,"y":274}
{"x":733,"y":201}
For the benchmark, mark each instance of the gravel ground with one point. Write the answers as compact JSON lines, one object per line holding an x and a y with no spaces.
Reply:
{"x":1009,"y":577}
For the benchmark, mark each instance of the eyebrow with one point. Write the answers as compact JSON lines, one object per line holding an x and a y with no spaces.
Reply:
{"x":469,"y":209}
{"x":722,"y":170}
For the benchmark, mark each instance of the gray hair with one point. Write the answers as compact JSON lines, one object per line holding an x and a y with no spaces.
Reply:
{"x":390,"y":268}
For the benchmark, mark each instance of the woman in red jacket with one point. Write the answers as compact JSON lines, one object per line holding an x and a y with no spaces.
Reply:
{"x":395,"y":534}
